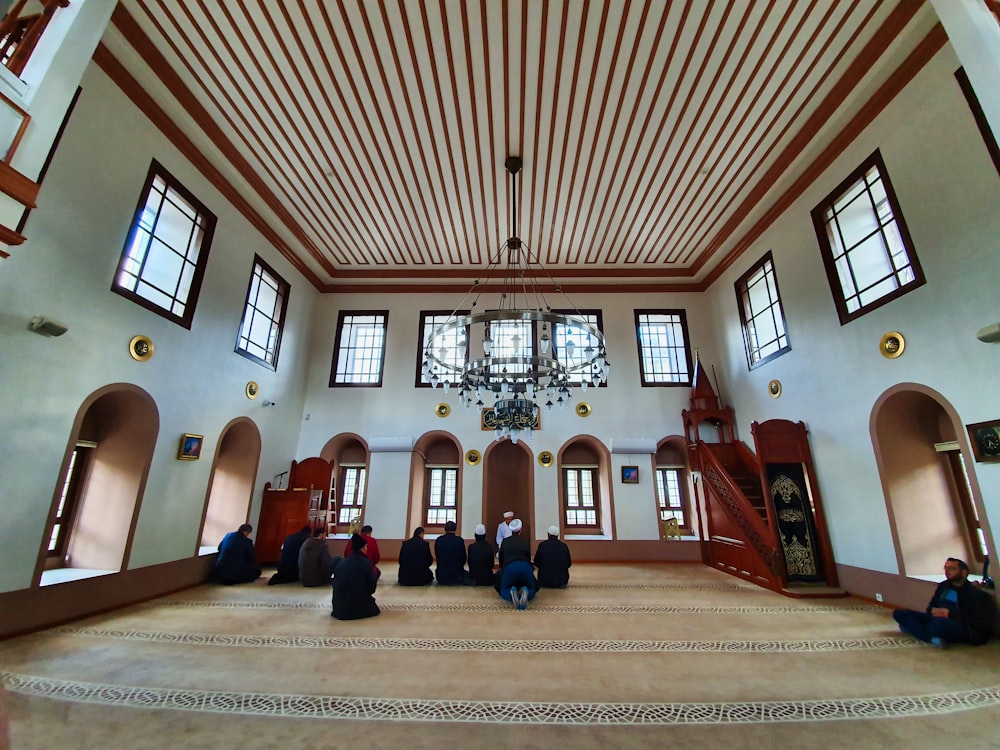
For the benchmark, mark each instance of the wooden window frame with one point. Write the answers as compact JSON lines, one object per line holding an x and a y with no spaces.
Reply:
{"x":337,"y":348}
{"x":599,"y":323}
{"x":685,"y":505}
{"x":840,"y":297}
{"x":358,"y":504}
{"x":445,"y":507}
{"x":566,"y":508}
{"x":774,"y":308}
{"x":645,"y":381}
{"x":65,"y":517}
{"x":250,"y":311}
{"x":419,"y":382}
{"x":171,"y":184}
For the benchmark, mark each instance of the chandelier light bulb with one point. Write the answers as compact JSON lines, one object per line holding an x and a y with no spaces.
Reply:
{"x":487,"y":345}
{"x":515,"y":434}
{"x":479,"y":405}
{"x":570,"y":348}
{"x":446,"y":385}
{"x":583,"y":386}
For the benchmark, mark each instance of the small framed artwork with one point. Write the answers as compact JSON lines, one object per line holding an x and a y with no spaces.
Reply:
{"x":985,"y":439}
{"x":630,"y":475}
{"x":190,"y":449}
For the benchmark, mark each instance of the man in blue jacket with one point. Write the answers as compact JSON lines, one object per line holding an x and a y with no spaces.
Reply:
{"x":236,"y":562}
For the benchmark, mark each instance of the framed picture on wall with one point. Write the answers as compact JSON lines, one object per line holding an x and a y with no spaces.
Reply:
{"x":985,"y":439}
{"x":630,"y":475}
{"x":190,"y":449}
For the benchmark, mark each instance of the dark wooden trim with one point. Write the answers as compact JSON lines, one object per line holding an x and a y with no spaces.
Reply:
{"x":9,"y":237}
{"x":737,"y":286}
{"x":40,"y":607}
{"x":285,"y":289}
{"x":17,"y":186}
{"x":336,"y":348}
{"x":424,"y":314}
{"x":682,"y":314}
{"x":977,"y":112}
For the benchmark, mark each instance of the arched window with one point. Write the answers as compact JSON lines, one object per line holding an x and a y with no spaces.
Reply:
{"x":671,"y":482}
{"x":585,"y":489}
{"x":350,"y":479}
{"x":435,"y":482}
{"x":98,"y":491}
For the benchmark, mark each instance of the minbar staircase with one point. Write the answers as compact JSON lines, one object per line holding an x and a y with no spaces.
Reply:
{"x":739,"y":528}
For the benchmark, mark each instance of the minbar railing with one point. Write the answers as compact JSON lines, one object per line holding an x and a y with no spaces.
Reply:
{"x":19,"y":34}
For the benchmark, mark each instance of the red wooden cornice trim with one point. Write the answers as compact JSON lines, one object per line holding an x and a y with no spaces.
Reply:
{"x":920,"y":56}
{"x":17,"y":186}
{"x":9,"y":237}
{"x":131,"y":88}
{"x":637,"y":287}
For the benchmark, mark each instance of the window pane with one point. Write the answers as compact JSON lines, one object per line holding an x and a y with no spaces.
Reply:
{"x":571,"y":344}
{"x":663,"y":347}
{"x":360,"y":349}
{"x":263,"y":315}
{"x":451,"y":347}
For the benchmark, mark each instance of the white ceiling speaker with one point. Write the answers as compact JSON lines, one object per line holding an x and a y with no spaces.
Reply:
{"x":989,"y":334}
{"x":47,"y":326}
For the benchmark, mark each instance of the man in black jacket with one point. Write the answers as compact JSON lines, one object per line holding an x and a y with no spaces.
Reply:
{"x":959,"y":611}
{"x":449,"y":550}
{"x":288,"y":565}
{"x":553,"y":561}
{"x":481,"y":559}
{"x":415,"y":560}
{"x":354,"y":583}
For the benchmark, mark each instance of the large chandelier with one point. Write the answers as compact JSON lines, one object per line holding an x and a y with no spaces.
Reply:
{"x":518,"y":351}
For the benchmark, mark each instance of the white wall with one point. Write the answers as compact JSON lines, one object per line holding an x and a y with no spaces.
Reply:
{"x":65,"y":271}
{"x":949,"y":192}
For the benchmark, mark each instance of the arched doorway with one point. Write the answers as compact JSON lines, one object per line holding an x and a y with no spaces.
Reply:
{"x":230,"y":486}
{"x":931,"y":492}
{"x":508,"y":484}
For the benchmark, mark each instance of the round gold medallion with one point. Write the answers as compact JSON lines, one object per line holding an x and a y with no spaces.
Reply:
{"x":892,"y":344}
{"x":140,"y":348}
{"x":252,"y":390}
{"x":546,"y":459}
{"x":473,"y":457}
{"x":583,"y":409}
{"x":774,"y":388}
{"x":442,"y":409}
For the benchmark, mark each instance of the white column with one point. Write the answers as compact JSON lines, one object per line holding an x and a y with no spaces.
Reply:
{"x":975,"y":36}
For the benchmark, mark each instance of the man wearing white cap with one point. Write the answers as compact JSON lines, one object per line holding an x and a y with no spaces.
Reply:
{"x":481,"y":559}
{"x":553,"y":561}
{"x":503,"y":530}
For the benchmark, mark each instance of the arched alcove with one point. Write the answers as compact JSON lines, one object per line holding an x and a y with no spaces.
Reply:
{"x":97,"y":496}
{"x":435,"y":465}
{"x":508,"y":484}
{"x":351,"y":459}
{"x":231,"y":483}
{"x":673,"y":486}
{"x":586,"y":451}
{"x":928,"y":479}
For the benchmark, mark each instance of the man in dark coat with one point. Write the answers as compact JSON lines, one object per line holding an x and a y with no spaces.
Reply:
{"x":481,"y":559}
{"x":959,"y":611}
{"x":553,"y":561}
{"x":315,"y":563}
{"x":353,"y":584}
{"x":415,"y":560}
{"x":288,"y":564}
{"x":449,"y":550}
{"x":516,"y":579}
{"x":236,"y":562}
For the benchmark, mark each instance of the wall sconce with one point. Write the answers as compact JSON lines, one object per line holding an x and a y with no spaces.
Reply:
{"x":268,"y":402}
{"x":47,"y":326}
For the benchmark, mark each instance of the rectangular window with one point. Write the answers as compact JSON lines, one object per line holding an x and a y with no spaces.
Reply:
{"x":669,"y":500}
{"x":580,"y":509}
{"x":866,"y":246}
{"x":69,"y":497}
{"x":352,"y":499}
{"x":451,"y":347}
{"x":664,"y":357}
{"x":263,"y":315}
{"x":574,"y":346}
{"x":165,"y":255}
{"x":763,"y":320}
{"x":359,"y":353}
{"x":442,"y":502}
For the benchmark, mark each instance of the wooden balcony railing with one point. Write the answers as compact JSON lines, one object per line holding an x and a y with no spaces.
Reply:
{"x":21,"y":29}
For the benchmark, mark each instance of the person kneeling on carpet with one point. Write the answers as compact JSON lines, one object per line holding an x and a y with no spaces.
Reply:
{"x":354,"y":583}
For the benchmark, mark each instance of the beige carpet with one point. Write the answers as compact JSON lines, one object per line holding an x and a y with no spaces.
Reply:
{"x":628,"y":656}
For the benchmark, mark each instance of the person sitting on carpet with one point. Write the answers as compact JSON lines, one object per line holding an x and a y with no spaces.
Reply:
{"x":236,"y":562}
{"x":288,"y":564}
{"x":371,"y":548}
{"x":354,"y":583}
{"x":415,"y":560}
{"x":517,"y":577}
{"x":553,"y":561}
{"x":449,"y":549}
{"x":959,"y":611}
{"x":315,"y":563}
{"x":480,"y":558}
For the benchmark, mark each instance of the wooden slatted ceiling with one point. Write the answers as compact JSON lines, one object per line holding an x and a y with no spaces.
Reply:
{"x":371,"y":135}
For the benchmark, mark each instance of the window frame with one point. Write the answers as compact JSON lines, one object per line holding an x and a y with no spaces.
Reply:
{"x":283,"y":292}
{"x":341,"y":317}
{"x":358,"y":502}
{"x":450,"y":510}
{"x":422,"y":341}
{"x":876,"y":162}
{"x":156,"y":170}
{"x":643,"y":379}
{"x":65,"y":513}
{"x":595,"y":477}
{"x":683,"y":506}
{"x":599,"y":323}
{"x":742,"y":288}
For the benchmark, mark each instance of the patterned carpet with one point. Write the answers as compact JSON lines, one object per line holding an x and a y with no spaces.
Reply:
{"x":627,"y":656}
